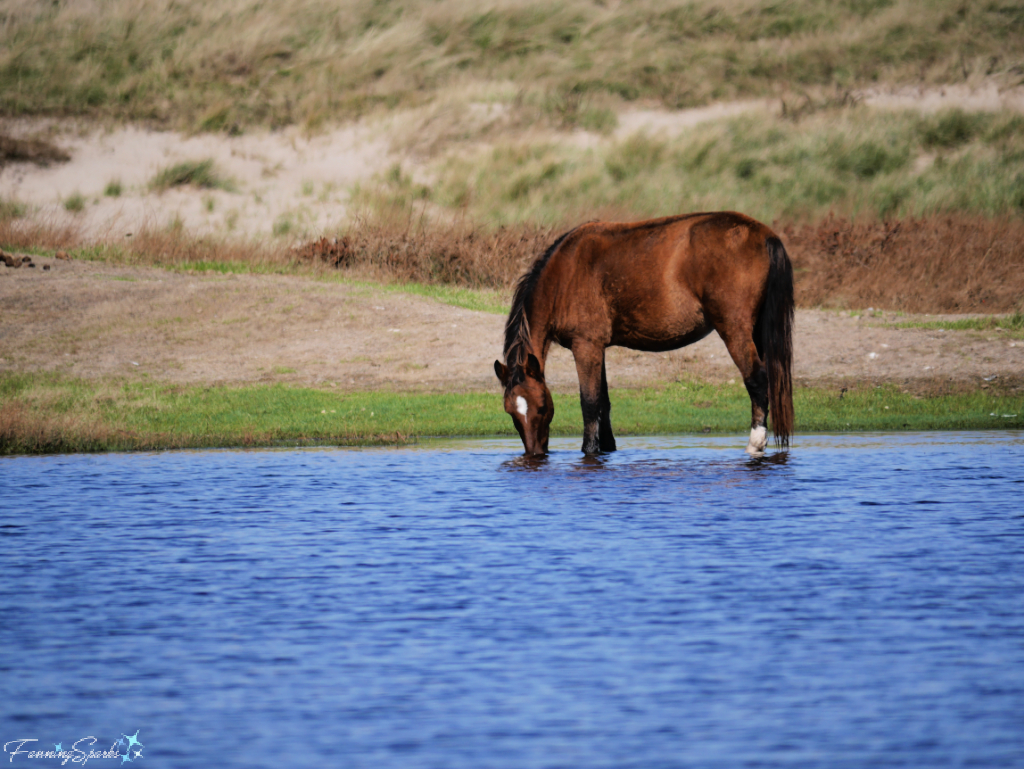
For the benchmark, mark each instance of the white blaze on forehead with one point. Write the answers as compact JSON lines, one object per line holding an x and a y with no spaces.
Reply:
{"x":521,"y":405}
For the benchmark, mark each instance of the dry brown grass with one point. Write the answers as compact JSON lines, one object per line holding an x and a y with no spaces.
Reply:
{"x":16,"y":233}
{"x":457,"y":254}
{"x":938,"y":264}
{"x":153,"y":246}
{"x":174,"y":248}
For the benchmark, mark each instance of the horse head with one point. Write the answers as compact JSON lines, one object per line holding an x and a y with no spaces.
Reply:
{"x":528,"y":402}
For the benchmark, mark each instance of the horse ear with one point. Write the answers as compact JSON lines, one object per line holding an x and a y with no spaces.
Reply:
{"x":502,"y":371}
{"x":533,"y":367}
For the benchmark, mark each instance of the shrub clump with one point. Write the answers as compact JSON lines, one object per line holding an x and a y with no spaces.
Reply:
{"x":198,"y":173}
{"x":950,"y":129}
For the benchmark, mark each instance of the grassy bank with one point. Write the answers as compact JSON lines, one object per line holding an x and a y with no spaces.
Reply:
{"x":847,"y":160}
{"x":48,"y":414}
{"x":228,"y":64}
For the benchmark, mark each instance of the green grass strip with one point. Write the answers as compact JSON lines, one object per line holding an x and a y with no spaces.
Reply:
{"x":482,"y":300}
{"x":1012,"y":323}
{"x":43,"y":413}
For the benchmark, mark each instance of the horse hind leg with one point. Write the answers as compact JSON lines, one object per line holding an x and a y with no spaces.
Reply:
{"x":757,"y":388}
{"x":755,"y":378}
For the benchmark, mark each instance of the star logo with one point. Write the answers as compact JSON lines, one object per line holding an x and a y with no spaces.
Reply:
{"x":57,"y":746}
{"x":132,"y":747}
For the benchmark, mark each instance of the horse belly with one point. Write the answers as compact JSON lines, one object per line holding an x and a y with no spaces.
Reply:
{"x":652,"y":328}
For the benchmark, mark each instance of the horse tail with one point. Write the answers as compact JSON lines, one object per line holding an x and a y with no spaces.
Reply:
{"x":776,"y":332}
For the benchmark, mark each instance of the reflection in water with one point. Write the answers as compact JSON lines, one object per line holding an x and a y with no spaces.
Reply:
{"x":529,"y":462}
{"x":593,"y":462}
{"x":628,"y":465}
{"x":857,"y":601}
{"x":768,"y":460}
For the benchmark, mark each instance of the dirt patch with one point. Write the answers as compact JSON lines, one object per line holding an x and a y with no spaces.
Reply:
{"x":98,"y":321}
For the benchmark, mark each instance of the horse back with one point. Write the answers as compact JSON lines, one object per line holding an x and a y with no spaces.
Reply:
{"x":664,"y":283}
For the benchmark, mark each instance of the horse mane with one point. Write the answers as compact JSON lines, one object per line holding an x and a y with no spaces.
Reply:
{"x":517,"y":327}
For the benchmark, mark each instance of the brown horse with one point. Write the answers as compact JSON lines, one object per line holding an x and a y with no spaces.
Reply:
{"x":656,"y":285}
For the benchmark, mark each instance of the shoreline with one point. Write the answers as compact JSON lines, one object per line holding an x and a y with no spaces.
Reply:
{"x":46,"y":414}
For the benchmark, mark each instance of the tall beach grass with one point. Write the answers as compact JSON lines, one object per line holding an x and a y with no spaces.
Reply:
{"x":853,"y":161}
{"x":224,"y":65}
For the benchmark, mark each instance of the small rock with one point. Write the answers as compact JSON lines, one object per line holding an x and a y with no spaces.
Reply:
{"x":46,"y":267}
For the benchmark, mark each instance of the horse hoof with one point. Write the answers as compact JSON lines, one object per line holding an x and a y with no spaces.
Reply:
{"x":758,"y":440}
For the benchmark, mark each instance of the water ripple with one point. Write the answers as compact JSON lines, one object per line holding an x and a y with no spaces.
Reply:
{"x":857,"y":602}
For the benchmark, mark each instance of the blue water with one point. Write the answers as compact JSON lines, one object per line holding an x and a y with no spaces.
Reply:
{"x":857,"y":603}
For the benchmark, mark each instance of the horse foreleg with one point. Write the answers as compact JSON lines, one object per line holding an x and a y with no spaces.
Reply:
{"x":755,"y":377}
{"x":589,"y":368}
{"x":605,"y":437}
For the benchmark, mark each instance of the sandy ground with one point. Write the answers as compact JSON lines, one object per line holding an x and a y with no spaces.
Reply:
{"x":93,"y":320}
{"x":274,"y":177}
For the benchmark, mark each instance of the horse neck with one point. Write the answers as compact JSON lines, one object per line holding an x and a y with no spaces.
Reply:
{"x":533,"y":314}
{"x":541,"y":319}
